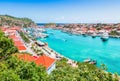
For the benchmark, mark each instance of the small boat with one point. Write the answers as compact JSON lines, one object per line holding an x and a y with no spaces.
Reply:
{"x":87,"y":60}
{"x":105,"y":36}
{"x":84,"y":34}
{"x":93,"y":62}
{"x":94,"y":35}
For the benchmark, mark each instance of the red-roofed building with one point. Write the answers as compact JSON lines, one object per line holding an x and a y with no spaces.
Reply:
{"x":48,"y":62}
{"x":14,"y":37}
{"x":44,"y":60}
{"x":3,"y":29}
{"x":21,"y":48}
{"x":18,"y":43}
{"x":15,"y":28}
{"x":26,"y":57}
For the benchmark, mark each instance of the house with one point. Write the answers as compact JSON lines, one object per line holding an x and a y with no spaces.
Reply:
{"x":21,"y":48}
{"x":47,"y":62}
{"x":18,"y":43}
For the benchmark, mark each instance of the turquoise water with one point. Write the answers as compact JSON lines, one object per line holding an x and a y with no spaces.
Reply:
{"x":79,"y":48}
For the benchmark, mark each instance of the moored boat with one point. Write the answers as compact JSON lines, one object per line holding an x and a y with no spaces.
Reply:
{"x":105,"y":36}
{"x":90,"y":61}
{"x":87,"y":60}
{"x":94,"y":35}
{"x":93,"y":62}
{"x":84,"y":34}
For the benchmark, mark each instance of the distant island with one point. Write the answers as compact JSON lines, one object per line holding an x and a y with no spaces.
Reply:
{"x":50,"y":25}
{"x":7,"y":20}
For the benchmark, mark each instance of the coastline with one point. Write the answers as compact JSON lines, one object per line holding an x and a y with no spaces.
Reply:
{"x":62,"y":55}
{"x":88,"y":29}
{"x":56,"y":54}
{"x":76,"y":33}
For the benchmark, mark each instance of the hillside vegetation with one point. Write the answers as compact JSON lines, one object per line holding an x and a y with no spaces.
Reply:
{"x":15,"y":21}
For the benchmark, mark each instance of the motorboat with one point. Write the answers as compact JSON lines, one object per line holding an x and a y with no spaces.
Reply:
{"x":90,"y":61}
{"x":94,"y":35}
{"x":93,"y":62}
{"x":87,"y":60}
{"x":105,"y":36}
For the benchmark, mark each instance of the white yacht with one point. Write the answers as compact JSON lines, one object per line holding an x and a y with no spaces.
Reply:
{"x":94,"y":35}
{"x":105,"y":36}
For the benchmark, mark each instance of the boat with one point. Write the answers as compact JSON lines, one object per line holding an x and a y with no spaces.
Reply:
{"x":87,"y":60}
{"x":42,"y":35}
{"x":94,"y":35}
{"x":90,"y":61}
{"x":84,"y":34}
{"x":93,"y":62}
{"x":105,"y":36}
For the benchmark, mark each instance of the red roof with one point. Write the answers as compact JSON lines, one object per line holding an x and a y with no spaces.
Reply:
{"x":18,"y":43}
{"x":21,"y":47}
{"x":42,"y":60}
{"x":3,"y":29}
{"x":26,"y":57}
{"x":14,"y":37}
{"x":15,"y":28}
{"x":45,"y":60}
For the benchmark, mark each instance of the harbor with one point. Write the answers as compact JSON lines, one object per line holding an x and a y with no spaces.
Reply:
{"x":59,"y":40}
{"x":85,"y":47}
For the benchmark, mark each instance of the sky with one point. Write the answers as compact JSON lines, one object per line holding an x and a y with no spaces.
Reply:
{"x":64,"y":11}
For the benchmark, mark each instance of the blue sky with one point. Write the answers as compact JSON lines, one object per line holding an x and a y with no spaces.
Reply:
{"x":64,"y":11}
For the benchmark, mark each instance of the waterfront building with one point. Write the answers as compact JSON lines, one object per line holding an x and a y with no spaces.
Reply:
{"x":47,"y":62}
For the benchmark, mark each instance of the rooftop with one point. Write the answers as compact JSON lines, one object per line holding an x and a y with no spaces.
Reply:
{"x":42,"y":60}
{"x":45,"y":60}
{"x":21,"y":47}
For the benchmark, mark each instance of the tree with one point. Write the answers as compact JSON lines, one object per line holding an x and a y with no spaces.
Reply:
{"x":14,"y":69}
{"x":6,"y":46}
{"x":84,"y":72}
{"x":9,"y":75}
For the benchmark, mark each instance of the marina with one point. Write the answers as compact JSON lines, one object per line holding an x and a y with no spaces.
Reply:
{"x":36,"y":32}
{"x":78,"y":48}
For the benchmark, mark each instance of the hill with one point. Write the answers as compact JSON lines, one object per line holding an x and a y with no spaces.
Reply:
{"x":15,"y":21}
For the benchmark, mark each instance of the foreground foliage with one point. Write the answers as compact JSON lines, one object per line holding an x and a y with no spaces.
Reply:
{"x":84,"y":72}
{"x":16,"y":70}
{"x":6,"y":46}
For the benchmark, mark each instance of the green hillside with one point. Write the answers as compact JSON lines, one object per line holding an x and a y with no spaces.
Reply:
{"x":15,"y":21}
